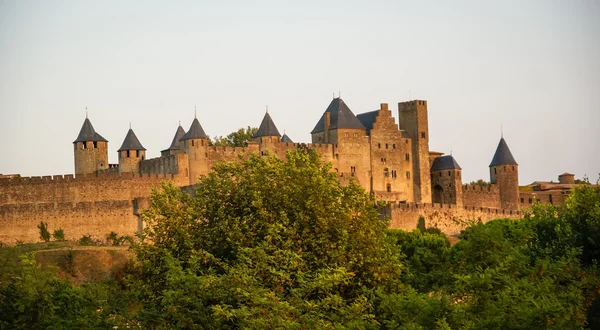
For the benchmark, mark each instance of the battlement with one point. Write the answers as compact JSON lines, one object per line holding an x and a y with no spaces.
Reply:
{"x":479,"y":188}
{"x":411,"y":105}
{"x":413,"y":207}
{"x":100,"y":176}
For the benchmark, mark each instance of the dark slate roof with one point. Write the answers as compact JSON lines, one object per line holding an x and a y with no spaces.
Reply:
{"x":88,"y":133}
{"x":175,"y":143}
{"x":131,"y":142}
{"x":368,"y":119}
{"x":340,"y":116}
{"x":285,"y":138}
{"x":267,"y":127}
{"x":195,"y":132}
{"x":446,"y":162}
{"x":503,"y":155}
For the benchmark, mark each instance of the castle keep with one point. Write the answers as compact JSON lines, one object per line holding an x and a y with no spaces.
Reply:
{"x":393,"y":162}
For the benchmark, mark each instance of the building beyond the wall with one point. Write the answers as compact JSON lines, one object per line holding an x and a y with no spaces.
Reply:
{"x":391,"y":161}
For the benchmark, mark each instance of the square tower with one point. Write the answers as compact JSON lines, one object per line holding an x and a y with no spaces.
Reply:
{"x":413,"y":119}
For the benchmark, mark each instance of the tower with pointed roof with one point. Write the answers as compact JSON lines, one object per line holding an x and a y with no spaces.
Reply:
{"x":267,"y":134}
{"x":413,"y":120}
{"x":195,"y":144}
{"x":446,"y":181}
{"x":336,"y":124}
{"x":504,"y":171}
{"x":131,"y":154}
{"x":90,"y":150}
{"x":175,"y":143}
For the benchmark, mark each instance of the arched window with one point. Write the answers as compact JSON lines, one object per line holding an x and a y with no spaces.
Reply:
{"x":386,"y":172}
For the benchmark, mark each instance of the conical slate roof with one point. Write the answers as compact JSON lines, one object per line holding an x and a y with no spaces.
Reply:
{"x":446,"y":162}
{"x":503,"y":156}
{"x":340,"y":116}
{"x":175,"y":143}
{"x":195,"y":132}
{"x":285,"y":138}
{"x":131,"y":142}
{"x":267,"y":127}
{"x":88,"y":133}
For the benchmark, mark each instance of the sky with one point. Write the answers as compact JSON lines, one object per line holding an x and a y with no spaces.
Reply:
{"x":531,"y":67}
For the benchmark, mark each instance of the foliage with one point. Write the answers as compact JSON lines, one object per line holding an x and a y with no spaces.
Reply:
{"x":239,"y":138}
{"x":115,"y":240}
{"x":86,"y":240}
{"x":480,"y":182}
{"x":58,"y":235}
{"x":44,"y":233}
{"x":264,"y":242}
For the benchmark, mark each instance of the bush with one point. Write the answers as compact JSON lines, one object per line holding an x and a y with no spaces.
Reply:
{"x":86,"y":240}
{"x":44,"y":233}
{"x":59,"y":235}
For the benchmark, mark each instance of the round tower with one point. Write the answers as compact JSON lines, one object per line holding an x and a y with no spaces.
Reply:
{"x":446,"y":181}
{"x":267,"y":135}
{"x":131,"y":154}
{"x":504,"y":172}
{"x":90,"y":150}
{"x":195,"y":144}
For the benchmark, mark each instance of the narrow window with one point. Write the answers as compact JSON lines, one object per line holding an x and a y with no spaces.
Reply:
{"x":84,"y":145}
{"x":448,"y":173}
{"x":407,"y":157}
{"x":346,"y":135}
{"x":422,"y":135}
{"x":522,"y":200}
{"x":530,"y":201}
{"x":394,"y":146}
{"x":142,"y":157}
{"x":407,"y":174}
{"x":386,"y":172}
{"x":127,"y":153}
{"x":379,"y":145}
{"x":439,"y":175}
{"x":494,"y":171}
{"x":137,"y":153}
{"x":393,"y":173}
{"x":95,"y":144}
{"x":389,"y":187}
{"x":353,"y":169}
{"x":192,"y":143}
{"x":386,"y":145}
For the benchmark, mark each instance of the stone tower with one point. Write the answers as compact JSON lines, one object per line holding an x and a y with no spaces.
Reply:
{"x":267,"y":135}
{"x":504,"y":171}
{"x":337,"y":124}
{"x":446,"y":181}
{"x":90,"y":150}
{"x":131,"y":154}
{"x":413,"y":119}
{"x":175,"y":144}
{"x":195,"y":144}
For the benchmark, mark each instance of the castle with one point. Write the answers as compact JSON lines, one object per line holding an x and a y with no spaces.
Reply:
{"x":393,"y":162}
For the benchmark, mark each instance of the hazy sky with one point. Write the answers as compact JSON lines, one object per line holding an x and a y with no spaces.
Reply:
{"x":532,"y":65}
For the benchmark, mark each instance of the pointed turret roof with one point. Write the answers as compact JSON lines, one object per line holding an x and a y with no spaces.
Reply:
{"x":131,"y":142}
{"x":340,"y":117}
{"x":446,"y":162}
{"x":285,"y":138}
{"x":195,"y":132}
{"x":503,"y":156}
{"x":175,"y":143}
{"x":88,"y":133}
{"x":267,"y":127}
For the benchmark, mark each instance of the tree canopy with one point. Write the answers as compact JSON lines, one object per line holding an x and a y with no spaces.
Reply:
{"x":239,"y":138}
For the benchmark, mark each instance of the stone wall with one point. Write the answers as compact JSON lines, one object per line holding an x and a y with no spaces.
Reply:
{"x":449,"y":218}
{"x":84,"y":188}
{"x":481,"y":196}
{"x":18,"y":222}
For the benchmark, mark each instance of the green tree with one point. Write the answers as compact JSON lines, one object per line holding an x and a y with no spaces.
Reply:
{"x":240,"y":138}
{"x":264,"y":243}
{"x":44,"y":233}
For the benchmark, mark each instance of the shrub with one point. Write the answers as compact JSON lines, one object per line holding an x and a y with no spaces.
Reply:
{"x":86,"y":240}
{"x":44,"y":233}
{"x":59,"y":234}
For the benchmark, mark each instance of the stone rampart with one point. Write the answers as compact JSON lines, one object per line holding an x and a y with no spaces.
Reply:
{"x":83,"y":188}
{"x":481,"y":196}
{"x":449,"y":218}
{"x":18,"y":222}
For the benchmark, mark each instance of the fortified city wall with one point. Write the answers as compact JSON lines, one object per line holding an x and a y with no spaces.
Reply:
{"x":481,"y":196}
